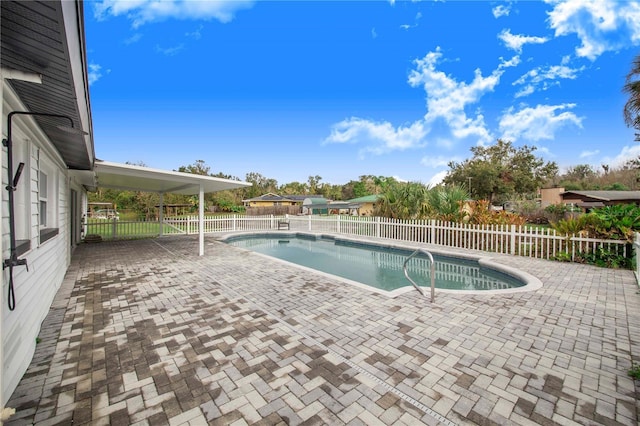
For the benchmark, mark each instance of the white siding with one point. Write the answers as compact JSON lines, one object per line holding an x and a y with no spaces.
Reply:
{"x":35,"y":289}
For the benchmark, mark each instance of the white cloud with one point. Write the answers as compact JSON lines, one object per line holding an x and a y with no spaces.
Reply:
{"x":379,"y":137}
{"x":513,"y":62}
{"x":196,"y":34}
{"x":170,"y":51}
{"x":501,"y":10}
{"x":601,"y":26}
{"x":447,"y":101}
{"x":515,"y":42}
{"x":437,"y":178}
{"x":133,"y":39}
{"x":95,"y":73}
{"x":448,"y":98}
{"x":585,"y":154}
{"x":414,"y":25}
{"x":544,"y":77}
{"x":525,"y":91}
{"x":439,"y":161}
{"x":537,"y":123}
{"x":144,"y":11}
{"x":627,"y":153}
{"x":545,"y":150}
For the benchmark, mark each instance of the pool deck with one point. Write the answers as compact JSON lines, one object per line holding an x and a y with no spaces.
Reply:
{"x":147,"y":332}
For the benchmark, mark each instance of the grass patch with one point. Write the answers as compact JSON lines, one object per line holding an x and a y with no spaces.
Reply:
{"x":634,"y":371}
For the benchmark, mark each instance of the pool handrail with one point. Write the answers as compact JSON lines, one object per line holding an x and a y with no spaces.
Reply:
{"x":433,"y":273}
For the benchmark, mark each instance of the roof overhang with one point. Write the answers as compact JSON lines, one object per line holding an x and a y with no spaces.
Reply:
{"x":44,"y":60}
{"x":138,"y":178}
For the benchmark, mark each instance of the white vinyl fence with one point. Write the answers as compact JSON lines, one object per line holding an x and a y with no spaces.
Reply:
{"x":508,"y":239}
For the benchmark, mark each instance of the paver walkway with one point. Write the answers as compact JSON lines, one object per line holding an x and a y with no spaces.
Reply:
{"x":148,"y":333}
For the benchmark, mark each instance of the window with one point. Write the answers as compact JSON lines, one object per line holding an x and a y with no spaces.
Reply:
{"x":47,"y":199}
{"x":43,"y":199}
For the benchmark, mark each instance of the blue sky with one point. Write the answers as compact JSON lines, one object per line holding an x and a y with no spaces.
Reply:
{"x":338,"y":89}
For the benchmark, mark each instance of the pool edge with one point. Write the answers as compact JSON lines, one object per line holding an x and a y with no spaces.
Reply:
{"x":532,"y":283}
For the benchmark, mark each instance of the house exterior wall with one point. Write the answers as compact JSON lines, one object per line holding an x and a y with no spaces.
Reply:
{"x":47,"y":259}
{"x":271,"y":203}
{"x":549,"y":196}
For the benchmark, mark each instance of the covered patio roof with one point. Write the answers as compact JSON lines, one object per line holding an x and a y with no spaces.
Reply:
{"x":138,"y":178}
{"x":145,"y":179}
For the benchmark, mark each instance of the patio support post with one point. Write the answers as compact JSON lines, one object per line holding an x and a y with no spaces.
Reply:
{"x":161,"y":214}
{"x":201,"y":219}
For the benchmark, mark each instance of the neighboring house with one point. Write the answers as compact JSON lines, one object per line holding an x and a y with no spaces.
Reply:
{"x":271,"y":203}
{"x":48,"y":164}
{"x":592,"y":199}
{"x":367,"y":204}
{"x":270,"y":200}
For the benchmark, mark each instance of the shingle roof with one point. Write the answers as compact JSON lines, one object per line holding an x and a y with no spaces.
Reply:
{"x":365,"y":199}
{"x":607,"y":195}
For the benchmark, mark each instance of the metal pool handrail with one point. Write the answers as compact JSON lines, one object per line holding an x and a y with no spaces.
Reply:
{"x":433,"y":273}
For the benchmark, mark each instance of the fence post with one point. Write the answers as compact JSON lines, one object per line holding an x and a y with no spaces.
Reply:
{"x":273,"y":223}
{"x":338,"y":223}
{"x":432,"y":231}
{"x":513,"y":239}
{"x":377,"y":226}
{"x":310,"y":222}
{"x":234,"y":222}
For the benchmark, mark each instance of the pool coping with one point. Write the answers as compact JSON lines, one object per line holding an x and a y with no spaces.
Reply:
{"x":532,"y":283}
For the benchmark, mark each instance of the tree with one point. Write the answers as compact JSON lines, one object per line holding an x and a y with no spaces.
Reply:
{"x":499,"y":171}
{"x":582,"y":176}
{"x":403,"y":201}
{"x":632,"y":88}
{"x":294,"y":188}
{"x":446,"y":203}
{"x":197,"y":168}
{"x":314,"y":184}
{"x":260,"y":185}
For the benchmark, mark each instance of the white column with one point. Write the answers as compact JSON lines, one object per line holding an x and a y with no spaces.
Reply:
{"x":161,"y":214}
{"x":201,"y":219}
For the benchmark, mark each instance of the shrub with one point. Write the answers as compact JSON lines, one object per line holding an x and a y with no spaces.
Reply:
{"x":605,"y":259}
{"x":481,"y":214}
{"x":634,"y":371}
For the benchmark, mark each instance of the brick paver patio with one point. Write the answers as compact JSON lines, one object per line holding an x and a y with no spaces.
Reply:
{"x":146,"y":332}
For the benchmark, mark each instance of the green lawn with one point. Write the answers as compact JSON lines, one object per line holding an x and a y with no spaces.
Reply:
{"x":125,"y":229}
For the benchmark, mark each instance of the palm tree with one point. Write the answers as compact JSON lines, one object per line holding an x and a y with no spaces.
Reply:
{"x":403,"y":201}
{"x":446,"y":202}
{"x":632,"y":88}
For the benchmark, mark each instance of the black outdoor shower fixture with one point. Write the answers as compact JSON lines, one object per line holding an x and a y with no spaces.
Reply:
{"x":13,"y":180}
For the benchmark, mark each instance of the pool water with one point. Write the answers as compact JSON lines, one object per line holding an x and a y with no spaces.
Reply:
{"x":380,"y":267}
